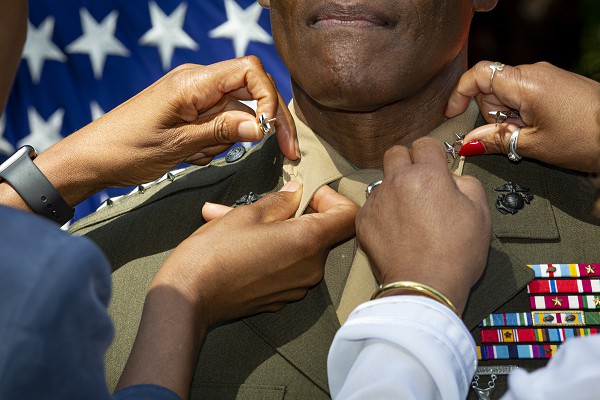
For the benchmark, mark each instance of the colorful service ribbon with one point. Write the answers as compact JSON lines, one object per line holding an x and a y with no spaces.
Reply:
{"x":565,"y":270}
{"x":538,"y":286}
{"x":516,"y":351}
{"x":562,"y":302}
{"x":543,"y":318}
{"x":561,"y":291}
{"x":531,"y":335}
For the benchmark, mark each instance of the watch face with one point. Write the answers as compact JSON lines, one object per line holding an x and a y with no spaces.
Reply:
{"x":27,"y":151}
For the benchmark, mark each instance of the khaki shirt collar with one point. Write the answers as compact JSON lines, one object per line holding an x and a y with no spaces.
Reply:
{"x":320,"y":164}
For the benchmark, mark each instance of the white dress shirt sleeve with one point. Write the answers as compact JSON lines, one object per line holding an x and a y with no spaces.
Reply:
{"x":408,"y":347}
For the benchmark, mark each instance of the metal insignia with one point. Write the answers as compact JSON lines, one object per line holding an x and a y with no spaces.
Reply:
{"x":514,"y":200}
{"x":235,"y":154}
{"x":492,"y":372}
{"x":246,"y":199}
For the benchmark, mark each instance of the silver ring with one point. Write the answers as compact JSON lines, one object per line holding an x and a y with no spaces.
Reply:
{"x":372,"y":186}
{"x":495,"y":66}
{"x":512,"y":146}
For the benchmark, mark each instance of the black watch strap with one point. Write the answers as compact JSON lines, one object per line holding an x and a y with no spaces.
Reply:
{"x":33,"y":187}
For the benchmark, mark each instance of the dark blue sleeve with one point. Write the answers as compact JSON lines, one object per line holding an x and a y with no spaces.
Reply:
{"x":153,"y":392}
{"x":54,"y":325}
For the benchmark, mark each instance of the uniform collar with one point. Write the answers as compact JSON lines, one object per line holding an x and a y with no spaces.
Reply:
{"x":320,"y":164}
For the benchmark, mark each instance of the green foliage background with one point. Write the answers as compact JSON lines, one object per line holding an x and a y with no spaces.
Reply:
{"x":589,"y":61}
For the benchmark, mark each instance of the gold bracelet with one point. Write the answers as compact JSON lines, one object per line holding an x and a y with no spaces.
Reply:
{"x":420,"y":288}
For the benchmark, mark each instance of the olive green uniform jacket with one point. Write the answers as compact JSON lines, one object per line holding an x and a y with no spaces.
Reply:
{"x":284,"y":354}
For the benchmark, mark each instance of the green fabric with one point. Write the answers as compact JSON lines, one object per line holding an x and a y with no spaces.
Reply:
{"x":592,"y":318}
{"x":268,"y":350}
{"x":287,"y":351}
{"x":557,"y":227}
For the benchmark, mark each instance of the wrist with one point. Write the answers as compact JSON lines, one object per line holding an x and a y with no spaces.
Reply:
{"x":414,"y":288}
{"x":9,"y":197}
{"x":453,"y":289}
{"x":24,"y":177}
{"x":69,"y":172}
{"x":181,"y":278}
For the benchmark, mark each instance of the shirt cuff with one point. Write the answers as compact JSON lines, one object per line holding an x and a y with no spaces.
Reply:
{"x":418,"y":326}
{"x":146,"y":391}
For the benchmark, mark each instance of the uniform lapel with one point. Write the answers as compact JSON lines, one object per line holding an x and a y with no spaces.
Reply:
{"x":320,"y":164}
{"x":506,"y":275}
{"x":536,"y":220}
{"x":302,"y":333}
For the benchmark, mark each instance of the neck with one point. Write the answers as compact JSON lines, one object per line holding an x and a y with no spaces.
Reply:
{"x":363,"y":137}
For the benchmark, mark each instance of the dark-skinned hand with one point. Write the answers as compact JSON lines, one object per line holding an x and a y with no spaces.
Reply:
{"x":424,"y":224}
{"x":559,"y":112}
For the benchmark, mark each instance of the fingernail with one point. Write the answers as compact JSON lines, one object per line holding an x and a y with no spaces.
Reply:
{"x":298,"y":149}
{"x":195,"y":157}
{"x":291,"y":186}
{"x":472,"y":148}
{"x":248,"y":131}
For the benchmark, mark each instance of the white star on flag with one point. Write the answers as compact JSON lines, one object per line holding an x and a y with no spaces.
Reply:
{"x":5,"y":146}
{"x":85,"y":58}
{"x":96,"y":110}
{"x":98,"y":40}
{"x":242,"y":27}
{"x":43,"y":134}
{"x":167,"y":33}
{"x":39,"y":48}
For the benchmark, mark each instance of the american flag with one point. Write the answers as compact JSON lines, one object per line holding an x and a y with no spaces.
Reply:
{"x":83,"y":58}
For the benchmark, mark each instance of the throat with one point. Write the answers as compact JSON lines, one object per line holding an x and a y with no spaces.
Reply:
{"x":362,"y":138}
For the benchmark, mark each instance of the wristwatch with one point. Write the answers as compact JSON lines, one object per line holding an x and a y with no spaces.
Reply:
{"x":34,"y":188}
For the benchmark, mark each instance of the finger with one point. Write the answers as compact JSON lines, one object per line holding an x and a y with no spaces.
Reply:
{"x":206,"y":155}
{"x":476,"y":82}
{"x":472,"y":188}
{"x":287,"y":137}
{"x":206,"y":85}
{"x":334,"y":217}
{"x":278,"y":206}
{"x":229,"y":102}
{"x":427,"y":150}
{"x":261,"y":87}
{"x":224,"y":128}
{"x":201,"y":161}
{"x":394,"y":159}
{"x":461,"y":94}
{"x":491,"y":139}
{"x":209,"y":152}
{"x":489,"y":106}
{"x":284,"y":123}
{"x":286,"y":133}
{"x":212,"y":211}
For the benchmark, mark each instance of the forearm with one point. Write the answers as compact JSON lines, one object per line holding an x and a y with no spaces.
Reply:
{"x":67,"y":168}
{"x":167,"y":344}
{"x":426,"y":350}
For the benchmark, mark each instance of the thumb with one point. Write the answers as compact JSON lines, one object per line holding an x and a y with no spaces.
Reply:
{"x":335,"y":215}
{"x":224,"y":128}
{"x":212,"y":211}
{"x":491,"y":139}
